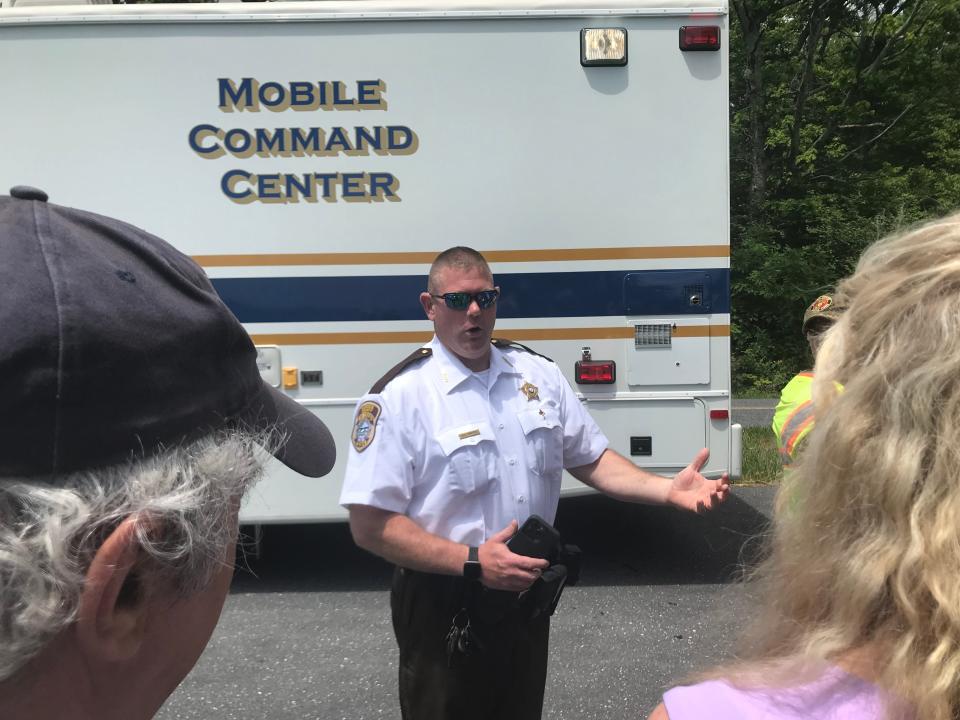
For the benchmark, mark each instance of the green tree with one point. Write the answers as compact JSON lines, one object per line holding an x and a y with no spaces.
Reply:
{"x":844,"y":127}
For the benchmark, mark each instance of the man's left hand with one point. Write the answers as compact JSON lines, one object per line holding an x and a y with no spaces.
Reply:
{"x":692,"y":491}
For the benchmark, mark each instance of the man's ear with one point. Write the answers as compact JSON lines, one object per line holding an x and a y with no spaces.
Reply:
{"x":426,"y":300}
{"x":113,"y":611}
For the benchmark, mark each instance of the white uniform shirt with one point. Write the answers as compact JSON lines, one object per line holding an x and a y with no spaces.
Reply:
{"x":463,"y":457}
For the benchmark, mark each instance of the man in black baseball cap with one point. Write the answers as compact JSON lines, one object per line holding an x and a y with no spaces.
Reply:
{"x":132,"y":420}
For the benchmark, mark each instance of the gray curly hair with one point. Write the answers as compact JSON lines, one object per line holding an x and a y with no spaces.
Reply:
{"x":184,"y":500}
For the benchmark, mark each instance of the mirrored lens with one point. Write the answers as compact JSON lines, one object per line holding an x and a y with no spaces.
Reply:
{"x":462,"y":300}
{"x":457,"y":300}
{"x":486,"y":298}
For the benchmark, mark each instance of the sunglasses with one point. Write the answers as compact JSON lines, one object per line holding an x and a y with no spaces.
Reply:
{"x":462,"y":300}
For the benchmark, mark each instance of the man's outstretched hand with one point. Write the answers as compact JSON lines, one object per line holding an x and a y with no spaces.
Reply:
{"x":692,"y":491}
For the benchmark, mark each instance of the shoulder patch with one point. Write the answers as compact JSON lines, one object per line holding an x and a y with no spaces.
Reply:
{"x":504,"y":343}
{"x":415,"y":356}
{"x":365,"y":425}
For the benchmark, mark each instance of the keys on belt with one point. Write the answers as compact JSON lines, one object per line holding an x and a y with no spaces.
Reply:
{"x":460,"y":639}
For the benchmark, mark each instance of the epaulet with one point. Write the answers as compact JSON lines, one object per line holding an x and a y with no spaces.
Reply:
{"x":504,"y":343}
{"x":415,"y":356}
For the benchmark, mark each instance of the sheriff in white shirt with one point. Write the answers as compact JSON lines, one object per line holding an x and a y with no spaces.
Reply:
{"x":450,"y":451}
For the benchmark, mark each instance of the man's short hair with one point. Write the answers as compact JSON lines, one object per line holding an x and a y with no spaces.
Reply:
{"x":460,"y":257}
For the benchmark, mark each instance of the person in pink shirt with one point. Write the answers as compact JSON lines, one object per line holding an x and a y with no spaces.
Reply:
{"x":858,"y":602}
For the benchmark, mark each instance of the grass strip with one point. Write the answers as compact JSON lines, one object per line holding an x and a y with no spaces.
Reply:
{"x":761,"y":461}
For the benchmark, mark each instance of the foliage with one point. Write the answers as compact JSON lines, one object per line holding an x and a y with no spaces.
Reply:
{"x":844,"y":127}
{"x":761,"y":461}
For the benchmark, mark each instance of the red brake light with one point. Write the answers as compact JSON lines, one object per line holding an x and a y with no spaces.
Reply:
{"x":596,"y":372}
{"x":700,"y":37}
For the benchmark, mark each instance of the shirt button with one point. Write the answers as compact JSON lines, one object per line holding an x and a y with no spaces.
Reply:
{"x":521,"y":499}
{"x":512,"y":461}
{"x":500,"y":426}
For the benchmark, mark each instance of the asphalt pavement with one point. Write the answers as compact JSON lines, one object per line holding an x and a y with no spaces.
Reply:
{"x":751,"y":412}
{"x":306,"y":634}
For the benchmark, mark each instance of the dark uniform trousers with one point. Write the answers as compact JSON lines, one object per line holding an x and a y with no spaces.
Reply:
{"x":502,"y":679}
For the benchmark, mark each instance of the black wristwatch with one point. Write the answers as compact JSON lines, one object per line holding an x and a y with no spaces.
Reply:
{"x":471,"y":568}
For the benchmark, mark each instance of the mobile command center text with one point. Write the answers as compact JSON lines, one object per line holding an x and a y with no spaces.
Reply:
{"x":210,"y":141}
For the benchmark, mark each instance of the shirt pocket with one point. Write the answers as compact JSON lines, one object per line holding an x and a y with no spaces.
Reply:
{"x":544,"y":438}
{"x":471,"y":456}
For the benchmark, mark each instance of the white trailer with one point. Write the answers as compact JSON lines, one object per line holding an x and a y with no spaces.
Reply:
{"x":314,"y":157}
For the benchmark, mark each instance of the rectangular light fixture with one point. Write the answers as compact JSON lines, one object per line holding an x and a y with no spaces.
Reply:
{"x":700,"y":37}
{"x":603,"y":46}
{"x":595,"y":372}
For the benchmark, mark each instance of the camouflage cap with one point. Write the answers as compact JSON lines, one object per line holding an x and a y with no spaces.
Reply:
{"x":823,"y":307}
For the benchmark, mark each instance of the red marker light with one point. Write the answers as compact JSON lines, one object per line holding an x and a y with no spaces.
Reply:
{"x":719,"y":414}
{"x":595,"y":372}
{"x":700,"y":37}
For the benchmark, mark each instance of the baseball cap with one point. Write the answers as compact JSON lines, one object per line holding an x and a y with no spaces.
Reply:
{"x":115,"y":345}
{"x":823,"y":307}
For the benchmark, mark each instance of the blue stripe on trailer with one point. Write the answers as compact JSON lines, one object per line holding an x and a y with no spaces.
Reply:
{"x":524,"y":295}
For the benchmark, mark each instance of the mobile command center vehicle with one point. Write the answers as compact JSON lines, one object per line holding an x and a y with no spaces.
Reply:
{"x":315,"y":156}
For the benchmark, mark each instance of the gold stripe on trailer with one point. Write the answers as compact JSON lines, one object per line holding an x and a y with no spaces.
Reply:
{"x":494,"y":256}
{"x":420,"y":337}
{"x":701,"y":331}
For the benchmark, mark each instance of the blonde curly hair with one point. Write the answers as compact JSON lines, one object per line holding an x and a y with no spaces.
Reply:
{"x":865,"y":556}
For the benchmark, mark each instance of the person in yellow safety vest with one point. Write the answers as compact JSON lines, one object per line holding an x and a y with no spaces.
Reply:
{"x":793,"y":419}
